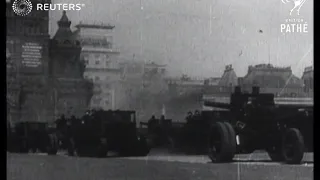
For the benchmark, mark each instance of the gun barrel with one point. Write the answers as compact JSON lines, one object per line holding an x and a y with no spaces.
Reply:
{"x":217,"y":105}
{"x":296,"y":106}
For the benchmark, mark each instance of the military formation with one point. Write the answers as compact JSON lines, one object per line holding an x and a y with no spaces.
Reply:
{"x":250,"y":122}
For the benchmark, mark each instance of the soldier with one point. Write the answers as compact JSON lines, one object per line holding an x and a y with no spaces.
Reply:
{"x":151,"y":123}
{"x":152,"y":119}
{"x":61,"y":122}
{"x":197,"y":113}
{"x":162,"y":118}
{"x":189,"y":116}
{"x":72,"y":119}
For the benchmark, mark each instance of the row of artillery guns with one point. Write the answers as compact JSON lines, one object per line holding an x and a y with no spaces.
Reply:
{"x":94,"y":134}
{"x":250,"y":122}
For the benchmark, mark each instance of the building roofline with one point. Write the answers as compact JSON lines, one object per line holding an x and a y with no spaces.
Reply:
{"x":95,"y":26}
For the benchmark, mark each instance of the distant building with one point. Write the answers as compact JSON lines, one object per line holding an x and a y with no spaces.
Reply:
{"x":308,"y":80}
{"x":138,"y":80}
{"x":27,"y":40}
{"x":279,"y":81}
{"x":70,"y":92}
{"x":222,"y":86}
{"x":229,"y":77}
{"x":184,"y":94}
{"x":102,"y":65}
{"x":154,"y":77}
{"x":270,"y":79}
{"x":185,"y":85}
{"x":212,"y":81}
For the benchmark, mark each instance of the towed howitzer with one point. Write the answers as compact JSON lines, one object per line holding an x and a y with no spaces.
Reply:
{"x":238,"y":100}
{"x":253,"y":121}
{"x":97,"y":133}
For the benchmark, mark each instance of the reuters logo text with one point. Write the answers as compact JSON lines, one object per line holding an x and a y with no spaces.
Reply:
{"x":24,"y":7}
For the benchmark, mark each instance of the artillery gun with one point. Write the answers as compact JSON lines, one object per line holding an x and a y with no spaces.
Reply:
{"x":184,"y":137}
{"x":252,"y":121}
{"x":34,"y":136}
{"x":100,"y":132}
{"x":161,"y":133}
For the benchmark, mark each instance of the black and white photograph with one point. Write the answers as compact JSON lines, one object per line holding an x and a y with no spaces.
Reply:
{"x":160,"y":89}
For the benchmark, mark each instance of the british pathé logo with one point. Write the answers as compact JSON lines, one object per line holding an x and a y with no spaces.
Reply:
{"x":22,"y":7}
{"x":297,"y":4}
{"x":294,"y":24}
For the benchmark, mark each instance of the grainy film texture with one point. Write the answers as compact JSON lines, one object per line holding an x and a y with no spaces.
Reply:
{"x":149,"y":89}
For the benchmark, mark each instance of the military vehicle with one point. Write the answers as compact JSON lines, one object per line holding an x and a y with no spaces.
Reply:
{"x":32,"y":136}
{"x":188,"y":137}
{"x":160,"y":132}
{"x":252,"y":121}
{"x":99,"y":132}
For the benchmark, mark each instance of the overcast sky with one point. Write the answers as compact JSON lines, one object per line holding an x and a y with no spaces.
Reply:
{"x":183,"y":34}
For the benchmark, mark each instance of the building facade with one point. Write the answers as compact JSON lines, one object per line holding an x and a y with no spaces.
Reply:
{"x":27,"y":50}
{"x":70,"y":93}
{"x":229,"y":77}
{"x":184,"y":94}
{"x":101,"y":63}
{"x":277,"y":80}
{"x":308,"y":80}
{"x":142,"y":87}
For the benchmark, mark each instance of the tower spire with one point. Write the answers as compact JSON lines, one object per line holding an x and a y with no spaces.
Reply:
{"x":64,"y":31}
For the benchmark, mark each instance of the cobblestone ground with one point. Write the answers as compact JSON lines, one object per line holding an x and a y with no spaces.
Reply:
{"x":156,"y":166}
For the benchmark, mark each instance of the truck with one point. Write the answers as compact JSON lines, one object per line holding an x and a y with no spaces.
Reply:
{"x":32,"y":136}
{"x":99,"y":132}
{"x":252,"y":121}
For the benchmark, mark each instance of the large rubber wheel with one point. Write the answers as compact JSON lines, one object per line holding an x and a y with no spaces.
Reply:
{"x":275,"y":154}
{"x":82,"y":152}
{"x":219,"y":143}
{"x":103,"y":148}
{"x":143,"y":147}
{"x":52,"y":145}
{"x":70,"y":147}
{"x":172,"y":146}
{"x":293,"y":146}
{"x":232,"y":140}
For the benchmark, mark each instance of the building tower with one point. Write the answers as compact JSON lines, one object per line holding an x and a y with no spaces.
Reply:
{"x":27,"y":47}
{"x":102,"y":65}
{"x":229,"y":77}
{"x":70,"y":92}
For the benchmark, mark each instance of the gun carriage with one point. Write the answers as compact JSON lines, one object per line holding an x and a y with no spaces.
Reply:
{"x":187,"y":137}
{"x":252,"y":121}
{"x":32,"y":136}
{"x":100,"y":132}
{"x":157,"y":131}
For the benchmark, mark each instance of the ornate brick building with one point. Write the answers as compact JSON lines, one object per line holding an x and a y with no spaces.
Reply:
{"x":69,"y":92}
{"x":27,"y":49}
